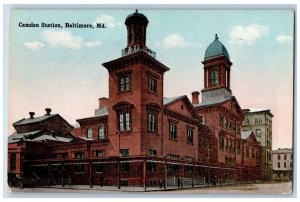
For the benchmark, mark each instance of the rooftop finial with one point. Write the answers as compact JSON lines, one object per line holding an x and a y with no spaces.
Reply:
{"x":216,"y":37}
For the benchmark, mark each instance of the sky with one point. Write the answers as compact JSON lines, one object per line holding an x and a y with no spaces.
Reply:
{"x":61,"y":68}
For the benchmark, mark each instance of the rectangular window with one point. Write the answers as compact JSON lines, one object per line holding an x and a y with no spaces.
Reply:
{"x":253,"y":154}
{"x":278,"y":164}
{"x":124,"y":83}
{"x":99,"y":168}
{"x":152,"y":166}
{"x":173,"y":131}
{"x":226,"y":123}
{"x":99,"y":153}
{"x":152,"y":152}
{"x":188,"y":170}
{"x":221,"y":142}
{"x":101,"y":133}
{"x":284,"y":156}
{"x":247,"y":152}
{"x":190,"y":136}
{"x":64,"y":155}
{"x":152,"y":85}
{"x":53,"y":156}
{"x":258,"y":132}
{"x":284,"y":164}
{"x":278,"y":157}
{"x":221,"y":121}
{"x":256,"y":121}
{"x":124,"y":152}
{"x":79,"y":155}
{"x":124,"y":166}
{"x":13,"y":161}
{"x":79,"y":168}
{"x":152,"y":122}
{"x":260,"y":121}
{"x":124,"y":121}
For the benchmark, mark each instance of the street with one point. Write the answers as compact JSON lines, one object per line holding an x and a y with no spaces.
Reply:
{"x":267,"y":188}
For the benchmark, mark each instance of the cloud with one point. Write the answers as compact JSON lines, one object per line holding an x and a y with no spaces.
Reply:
{"x":284,"y":39}
{"x":34,"y":45}
{"x":248,"y":34}
{"x":59,"y":38}
{"x":92,"y":44}
{"x":175,"y":40}
{"x":109,"y":21}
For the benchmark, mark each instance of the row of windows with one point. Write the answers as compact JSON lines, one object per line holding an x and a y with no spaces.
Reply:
{"x":100,"y":133}
{"x":173,"y":133}
{"x":228,"y":124}
{"x":284,"y":164}
{"x":124,"y":82}
{"x":229,"y":144}
{"x":125,"y":125}
{"x":284,"y":156}
{"x":254,"y":155}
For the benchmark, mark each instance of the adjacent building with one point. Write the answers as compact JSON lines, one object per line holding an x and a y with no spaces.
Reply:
{"x":259,"y":120}
{"x":282,"y":164}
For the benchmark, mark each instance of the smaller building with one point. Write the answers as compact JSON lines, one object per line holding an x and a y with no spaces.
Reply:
{"x":282,"y":164}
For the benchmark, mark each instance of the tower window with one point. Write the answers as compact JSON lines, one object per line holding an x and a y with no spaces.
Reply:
{"x":124,"y":121}
{"x":124,"y":83}
{"x":214,"y":77}
{"x":152,"y":122}
{"x":152,"y":85}
{"x":258,"y":132}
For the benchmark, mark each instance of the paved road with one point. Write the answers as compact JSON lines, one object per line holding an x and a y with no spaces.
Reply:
{"x":278,"y":188}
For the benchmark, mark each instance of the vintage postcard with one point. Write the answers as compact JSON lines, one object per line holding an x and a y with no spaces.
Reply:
{"x":141,"y":100}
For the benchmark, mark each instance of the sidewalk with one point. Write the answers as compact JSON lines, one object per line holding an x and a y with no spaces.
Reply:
{"x":127,"y":188}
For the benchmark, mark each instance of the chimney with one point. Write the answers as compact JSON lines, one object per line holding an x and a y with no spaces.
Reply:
{"x":103,"y":101}
{"x":31,"y":115}
{"x":195,"y":97}
{"x":48,"y":110}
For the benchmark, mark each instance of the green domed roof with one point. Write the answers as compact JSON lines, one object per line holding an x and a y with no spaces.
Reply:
{"x":216,"y":48}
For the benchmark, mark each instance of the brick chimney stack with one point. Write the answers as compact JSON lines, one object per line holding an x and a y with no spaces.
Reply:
{"x":31,"y":115}
{"x":48,"y":110}
{"x":103,"y":101}
{"x":195,"y":97}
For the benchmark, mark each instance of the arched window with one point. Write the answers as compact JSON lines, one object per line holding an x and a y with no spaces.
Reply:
{"x":214,"y":77}
{"x":90,"y":133}
{"x":101,"y":133}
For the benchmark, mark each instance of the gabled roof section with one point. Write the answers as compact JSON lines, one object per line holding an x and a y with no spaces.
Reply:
{"x":169,"y":101}
{"x":212,"y":102}
{"x":246,"y":134}
{"x":50,"y":138}
{"x":16,"y":137}
{"x":33,"y":120}
{"x":39,"y":119}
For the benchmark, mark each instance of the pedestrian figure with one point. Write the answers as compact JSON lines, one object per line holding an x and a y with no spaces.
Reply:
{"x":178,"y":182}
{"x":101,"y":181}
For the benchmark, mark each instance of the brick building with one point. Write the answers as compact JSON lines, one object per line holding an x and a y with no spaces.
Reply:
{"x":139,"y":137}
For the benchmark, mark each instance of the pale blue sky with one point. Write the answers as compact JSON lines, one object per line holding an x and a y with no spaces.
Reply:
{"x":61,"y":68}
